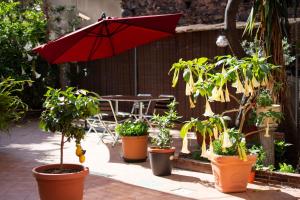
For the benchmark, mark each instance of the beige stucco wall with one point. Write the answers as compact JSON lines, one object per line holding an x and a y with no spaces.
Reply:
{"x":92,"y":8}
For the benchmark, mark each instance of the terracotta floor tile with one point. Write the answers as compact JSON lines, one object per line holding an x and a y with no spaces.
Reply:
{"x":28,"y":147}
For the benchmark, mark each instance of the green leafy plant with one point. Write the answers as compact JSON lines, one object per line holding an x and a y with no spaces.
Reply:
{"x":231,"y":142}
{"x":264,"y":98}
{"x":276,"y":116}
{"x":261,"y":156}
{"x":132,"y":128}
{"x":280,"y":148}
{"x":12,"y":108}
{"x":285,"y":168}
{"x":64,"y":109}
{"x":163,"y":140}
{"x":22,"y":27}
{"x":271,"y":168}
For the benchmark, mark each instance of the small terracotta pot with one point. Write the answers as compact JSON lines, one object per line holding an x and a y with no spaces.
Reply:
{"x":251,"y":177}
{"x":135,"y":148}
{"x":68,"y":186}
{"x":161,"y":160}
{"x":231,"y":173}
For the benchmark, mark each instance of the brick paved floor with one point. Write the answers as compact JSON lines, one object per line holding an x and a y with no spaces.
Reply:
{"x":110,"y":178}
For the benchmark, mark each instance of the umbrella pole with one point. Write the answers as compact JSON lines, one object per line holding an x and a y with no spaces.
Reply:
{"x":135,"y":73}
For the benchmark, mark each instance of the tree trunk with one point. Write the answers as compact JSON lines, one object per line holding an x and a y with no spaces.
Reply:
{"x":231,"y":32}
{"x":62,"y":142}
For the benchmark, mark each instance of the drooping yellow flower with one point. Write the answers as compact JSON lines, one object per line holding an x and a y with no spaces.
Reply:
{"x":210,"y":151}
{"x":226,"y":140}
{"x":223,"y":71}
{"x":203,"y":148}
{"x":189,"y":88}
{"x":222,"y":99}
{"x":216,"y":132}
{"x":238,"y":85}
{"x":184,"y":148}
{"x":208,"y":112}
{"x":192,"y":105}
{"x":255,"y":83}
{"x":246,"y":89}
{"x":227,"y":96}
{"x":251,"y":90}
{"x":215,"y":94}
{"x":264,"y":82}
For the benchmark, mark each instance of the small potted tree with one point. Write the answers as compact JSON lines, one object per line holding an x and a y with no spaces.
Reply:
{"x":161,"y":152}
{"x":134,"y":135}
{"x":62,"y":114}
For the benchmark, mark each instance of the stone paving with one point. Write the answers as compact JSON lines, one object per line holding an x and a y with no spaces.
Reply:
{"x":110,"y":178}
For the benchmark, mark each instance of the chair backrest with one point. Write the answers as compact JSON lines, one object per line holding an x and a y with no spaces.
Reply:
{"x":162,"y":105}
{"x":107,"y":109}
{"x":135,"y":106}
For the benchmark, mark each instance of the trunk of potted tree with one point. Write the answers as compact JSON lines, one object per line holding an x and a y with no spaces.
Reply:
{"x":161,"y":160}
{"x":231,"y":173}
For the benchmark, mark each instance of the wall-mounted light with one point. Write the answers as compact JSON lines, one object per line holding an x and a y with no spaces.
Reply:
{"x":222,"y":41}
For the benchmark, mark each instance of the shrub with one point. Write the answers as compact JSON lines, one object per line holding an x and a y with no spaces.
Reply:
{"x":132,"y":128}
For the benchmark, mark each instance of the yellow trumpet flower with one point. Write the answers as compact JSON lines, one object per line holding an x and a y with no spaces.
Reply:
{"x":215,"y":94}
{"x":192,"y":105}
{"x":255,"y":83}
{"x":226,"y":140}
{"x":208,"y":112}
{"x":189,"y":88}
{"x":203,"y":148}
{"x":184,"y":148}
{"x":222,"y":99}
{"x":216,"y":132}
{"x":227,"y":98}
{"x":246,"y":91}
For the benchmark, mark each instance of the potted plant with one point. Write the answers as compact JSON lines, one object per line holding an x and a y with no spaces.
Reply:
{"x":161,"y":152}
{"x":257,"y":150}
{"x":134,"y":135}
{"x":211,"y":79}
{"x":62,"y":114}
{"x":12,"y":108}
{"x":268,"y":114}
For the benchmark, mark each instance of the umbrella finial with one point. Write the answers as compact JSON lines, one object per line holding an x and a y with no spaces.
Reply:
{"x":103,"y":16}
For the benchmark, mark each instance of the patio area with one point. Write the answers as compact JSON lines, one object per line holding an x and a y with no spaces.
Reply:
{"x":110,"y":177}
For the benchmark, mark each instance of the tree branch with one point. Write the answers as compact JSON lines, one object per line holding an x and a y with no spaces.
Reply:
{"x":231,"y":32}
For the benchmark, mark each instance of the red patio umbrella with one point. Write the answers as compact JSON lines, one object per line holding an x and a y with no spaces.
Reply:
{"x":108,"y":37}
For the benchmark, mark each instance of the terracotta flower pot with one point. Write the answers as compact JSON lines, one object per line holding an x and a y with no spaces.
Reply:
{"x":68,"y":186}
{"x":161,"y":160}
{"x":135,"y":148}
{"x":231,"y":173}
{"x":251,"y":177}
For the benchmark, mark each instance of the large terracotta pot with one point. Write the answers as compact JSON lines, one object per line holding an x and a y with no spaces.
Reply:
{"x":68,"y":186}
{"x":161,"y":160}
{"x":231,"y":173}
{"x":135,"y":148}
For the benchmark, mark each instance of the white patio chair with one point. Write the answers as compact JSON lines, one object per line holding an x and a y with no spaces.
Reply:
{"x":146,"y":105}
{"x":104,"y":123}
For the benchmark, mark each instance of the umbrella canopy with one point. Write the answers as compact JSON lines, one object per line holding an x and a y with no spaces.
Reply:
{"x":108,"y":37}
